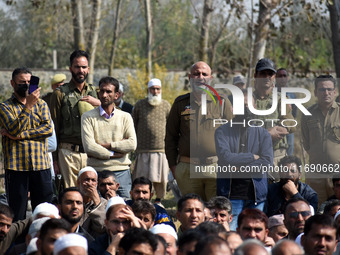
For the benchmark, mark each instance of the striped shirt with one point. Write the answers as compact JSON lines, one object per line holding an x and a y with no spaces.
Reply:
{"x":34,"y":126}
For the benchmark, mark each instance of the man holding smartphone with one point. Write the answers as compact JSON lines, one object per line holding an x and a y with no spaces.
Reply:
{"x":65,"y":112}
{"x":25,"y":125}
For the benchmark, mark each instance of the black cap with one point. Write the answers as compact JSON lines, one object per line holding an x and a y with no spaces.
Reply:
{"x":265,"y":64}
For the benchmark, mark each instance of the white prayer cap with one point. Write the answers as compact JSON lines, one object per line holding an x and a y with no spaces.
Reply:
{"x":336,"y":215}
{"x":114,"y":201}
{"x":87,"y":169}
{"x":121,"y":87}
{"x":36,"y":226}
{"x":45,"y":209}
{"x":32,"y":246}
{"x":154,"y":82}
{"x":164,"y":229}
{"x":69,"y":240}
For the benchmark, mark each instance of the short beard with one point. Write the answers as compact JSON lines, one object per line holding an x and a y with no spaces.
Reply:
{"x":74,"y":76}
{"x":70,"y":220}
{"x":154,"y":100}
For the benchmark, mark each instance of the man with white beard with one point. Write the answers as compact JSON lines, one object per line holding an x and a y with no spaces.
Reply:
{"x":149,"y":116}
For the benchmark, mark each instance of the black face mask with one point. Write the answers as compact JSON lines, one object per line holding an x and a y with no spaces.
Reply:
{"x":21,"y":89}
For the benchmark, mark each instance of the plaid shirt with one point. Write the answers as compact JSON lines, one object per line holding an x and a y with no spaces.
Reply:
{"x":34,"y":126}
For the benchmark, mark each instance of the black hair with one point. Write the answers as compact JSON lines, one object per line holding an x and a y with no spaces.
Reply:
{"x":324,"y":77}
{"x":52,"y":224}
{"x":189,"y":236}
{"x":6,"y":210}
{"x":335,"y":178}
{"x":138,"y":236}
{"x":318,"y":219}
{"x":252,"y":213}
{"x":106,"y":174}
{"x":143,"y":206}
{"x":111,"y":81}
{"x":63,"y":192}
{"x":291,"y":159}
{"x":330,"y":205}
{"x":78,"y":54}
{"x":141,"y":181}
{"x":186,"y":197}
{"x":211,"y":228}
{"x":162,"y":241}
{"x":205,"y":243}
{"x":20,"y":70}
{"x":294,"y":200}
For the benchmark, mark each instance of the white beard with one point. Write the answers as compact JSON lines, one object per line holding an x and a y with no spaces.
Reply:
{"x":154,"y":100}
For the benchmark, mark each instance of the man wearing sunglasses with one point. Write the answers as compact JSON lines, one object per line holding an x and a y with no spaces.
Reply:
{"x":296,"y":212}
{"x":321,"y":136}
{"x":289,"y":187}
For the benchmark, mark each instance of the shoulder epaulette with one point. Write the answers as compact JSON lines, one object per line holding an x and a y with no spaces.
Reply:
{"x":179,"y":98}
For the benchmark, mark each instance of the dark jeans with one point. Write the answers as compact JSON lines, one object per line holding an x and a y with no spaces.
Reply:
{"x":19,"y":183}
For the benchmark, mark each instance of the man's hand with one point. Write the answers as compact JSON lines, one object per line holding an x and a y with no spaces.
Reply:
{"x":110,"y":193}
{"x":173,"y":170}
{"x":91,"y":100}
{"x":106,"y":145}
{"x":118,"y":155}
{"x":4,"y":132}
{"x":115,"y":239}
{"x":129,"y":215}
{"x":56,"y":167}
{"x":269,"y":242}
{"x":256,"y":157}
{"x":32,"y":99}
{"x":277,"y":133}
{"x":289,"y":188}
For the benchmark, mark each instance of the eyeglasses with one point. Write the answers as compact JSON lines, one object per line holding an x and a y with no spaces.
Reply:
{"x":326,"y":89}
{"x":295,"y":215}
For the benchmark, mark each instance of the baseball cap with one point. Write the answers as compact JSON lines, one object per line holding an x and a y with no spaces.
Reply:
{"x":275,"y":220}
{"x":59,"y":77}
{"x":265,"y":64}
{"x":238,"y":79}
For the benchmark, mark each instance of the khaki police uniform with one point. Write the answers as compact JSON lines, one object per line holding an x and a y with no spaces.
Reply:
{"x":65,"y":114}
{"x":280,"y":147}
{"x":190,"y":143}
{"x":321,"y":139}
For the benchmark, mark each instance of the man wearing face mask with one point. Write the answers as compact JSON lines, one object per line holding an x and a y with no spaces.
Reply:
{"x":189,"y":141}
{"x":243,"y":148}
{"x":149,"y":117}
{"x":25,"y":125}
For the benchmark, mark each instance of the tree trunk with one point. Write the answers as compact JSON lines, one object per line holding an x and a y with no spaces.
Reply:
{"x":204,"y":37}
{"x":78,"y":24}
{"x":262,"y":30}
{"x":334,"y":13}
{"x":115,"y":38}
{"x":149,"y":31}
{"x":93,"y":36}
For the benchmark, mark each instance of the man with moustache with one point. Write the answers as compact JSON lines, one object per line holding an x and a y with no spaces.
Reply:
{"x":289,"y":187}
{"x":321,"y":136}
{"x":67,"y":103}
{"x":263,"y":95}
{"x":189,"y":140}
{"x":25,"y":124}
{"x":71,"y":208}
{"x":149,"y":116}
{"x":108,"y":136}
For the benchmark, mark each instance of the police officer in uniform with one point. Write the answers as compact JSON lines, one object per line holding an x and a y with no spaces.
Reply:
{"x":263,"y":95}
{"x":189,"y":141}
{"x":67,"y":103}
{"x":321,"y":137}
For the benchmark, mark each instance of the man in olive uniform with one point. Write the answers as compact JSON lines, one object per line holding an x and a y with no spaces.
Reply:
{"x":189,"y":141}
{"x":66,"y":114}
{"x":263,"y":96}
{"x":321,"y":136}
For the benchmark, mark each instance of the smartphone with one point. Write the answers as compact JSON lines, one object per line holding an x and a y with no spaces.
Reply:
{"x":34,"y":84}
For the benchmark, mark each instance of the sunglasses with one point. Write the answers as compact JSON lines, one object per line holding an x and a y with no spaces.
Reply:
{"x":326,"y":89}
{"x":295,"y":215}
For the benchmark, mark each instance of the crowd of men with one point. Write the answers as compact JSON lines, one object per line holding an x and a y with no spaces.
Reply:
{"x":100,"y":207}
